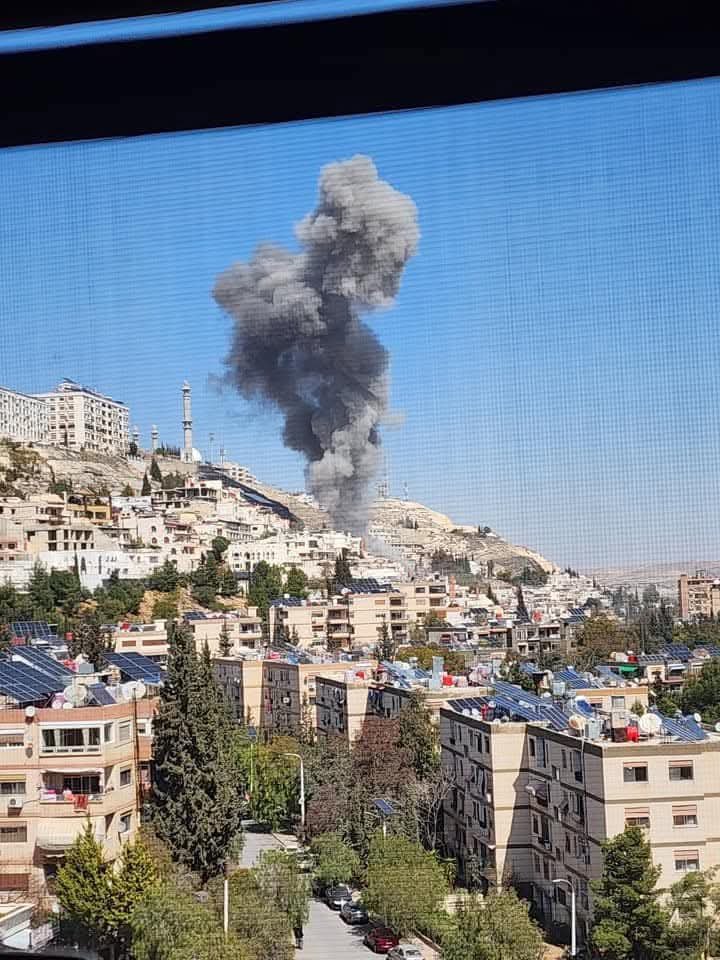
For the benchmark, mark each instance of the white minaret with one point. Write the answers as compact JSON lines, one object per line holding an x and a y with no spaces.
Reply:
{"x":136,"y":436}
{"x":187,"y":454}
{"x":154,"y":438}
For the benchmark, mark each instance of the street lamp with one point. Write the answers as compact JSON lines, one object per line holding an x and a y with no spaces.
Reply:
{"x":302,"y":787}
{"x":573,"y":935}
{"x":252,"y":737}
{"x":385,"y":809}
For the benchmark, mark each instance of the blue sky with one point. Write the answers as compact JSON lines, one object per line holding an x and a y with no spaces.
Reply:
{"x":553,"y":346}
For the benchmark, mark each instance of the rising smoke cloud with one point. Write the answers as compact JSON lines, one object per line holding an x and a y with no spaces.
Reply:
{"x":300,"y":342}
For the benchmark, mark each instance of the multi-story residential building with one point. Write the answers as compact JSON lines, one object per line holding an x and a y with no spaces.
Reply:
{"x":536,"y":794}
{"x":236,"y":471}
{"x":698,"y":596}
{"x":303,"y":622}
{"x":244,"y":630}
{"x":23,"y":418}
{"x":83,"y":419}
{"x":241,"y":681}
{"x":57,"y":768}
{"x":12,"y":541}
{"x":289,"y":693}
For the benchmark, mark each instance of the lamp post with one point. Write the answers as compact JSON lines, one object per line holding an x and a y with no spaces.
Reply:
{"x":573,"y":934}
{"x":302,"y":787}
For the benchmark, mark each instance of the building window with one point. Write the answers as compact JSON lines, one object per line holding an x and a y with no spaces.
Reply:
{"x":546,"y":870}
{"x":536,"y":863}
{"x":82,"y":784}
{"x":681,"y":771}
{"x":532,"y":747}
{"x":635,"y":773}
{"x":685,"y":816}
{"x":13,"y":833}
{"x":125,"y":823}
{"x":617,"y":703}
{"x":637,"y":817}
{"x":124,"y":732}
{"x":12,"y":788}
{"x":687,"y":861}
{"x":11,"y":739}
{"x":108,"y":732}
{"x":126,"y":777}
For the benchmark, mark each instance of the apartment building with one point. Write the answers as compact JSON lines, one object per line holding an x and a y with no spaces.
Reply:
{"x":244,"y":629}
{"x":241,"y":681}
{"x":289,"y":693}
{"x":23,"y":418}
{"x":12,"y":541}
{"x":534,"y":800}
{"x":342,"y":703}
{"x":698,"y":596}
{"x":56,"y":769}
{"x":302,"y":621}
{"x":71,"y":536}
{"x":83,"y":419}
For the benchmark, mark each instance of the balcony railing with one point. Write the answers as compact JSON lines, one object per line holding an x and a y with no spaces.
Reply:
{"x":81,"y":748}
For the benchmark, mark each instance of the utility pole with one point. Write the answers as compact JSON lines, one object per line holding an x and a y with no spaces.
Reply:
{"x":302,"y":788}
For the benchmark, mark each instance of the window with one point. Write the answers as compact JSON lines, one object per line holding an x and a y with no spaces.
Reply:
{"x":687,"y":861}
{"x":124,"y":732}
{"x":536,"y":863}
{"x":126,"y":777}
{"x":532,"y":747}
{"x":125,"y":823}
{"x":563,"y":756}
{"x":560,"y":895}
{"x":82,"y":784}
{"x":486,"y":741}
{"x":108,"y":732}
{"x":143,"y":725}
{"x":12,"y":788}
{"x":72,"y":740}
{"x":635,"y":773}
{"x":681,"y":771}
{"x":546,"y":870}
{"x":685,"y":816}
{"x":13,"y":833}
{"x":617,"y":703}
{"x":11,"y":739}
{"x":637,"y":817}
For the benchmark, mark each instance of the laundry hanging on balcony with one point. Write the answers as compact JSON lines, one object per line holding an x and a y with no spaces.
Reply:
{"x":81,"y":801}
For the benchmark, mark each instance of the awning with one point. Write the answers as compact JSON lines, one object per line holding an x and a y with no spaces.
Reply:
{"x":12,"y":777}
{"x":71,"y":772}
{"x":55,"y":842}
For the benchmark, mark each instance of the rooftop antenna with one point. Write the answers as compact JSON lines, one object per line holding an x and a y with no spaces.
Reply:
{"x":211,"y":438}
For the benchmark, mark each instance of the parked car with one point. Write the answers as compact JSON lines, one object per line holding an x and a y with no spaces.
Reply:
{"x":335,"y":897}
{"x":380,"y":939}
{"x":405,"y":951}
{"x":353,"y":912}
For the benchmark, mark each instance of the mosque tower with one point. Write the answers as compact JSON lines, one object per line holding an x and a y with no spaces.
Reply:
{"x":187,"y":454}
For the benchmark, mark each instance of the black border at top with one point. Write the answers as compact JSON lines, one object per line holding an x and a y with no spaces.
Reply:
{"x":398,"y":60}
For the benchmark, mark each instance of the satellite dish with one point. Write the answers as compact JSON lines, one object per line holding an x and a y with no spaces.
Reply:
{"x":57,"y":703}
{"x":133,"y":690}
{"x":140,"y":689}
{"x":697,"y":718}
{"x":576,"y":722}
{"x":649,"y":723}
{"x":717,"y":727}
{"x":76,"y":694}
{"x":466,"y":712}
{"x":30,"y":712}
{"x":67,"y":706}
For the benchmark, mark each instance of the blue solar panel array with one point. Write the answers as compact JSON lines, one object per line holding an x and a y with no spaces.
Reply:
{"x":575,"y":680}
{"x":684,"y":728}
{"x":365,"y":585}
{"x":101,"y":695}
{"x":195,"y":615}
{"x":39,"y":660}
{"x":135,"y":666}
{"x":676,"y":651}
{"x":33,"y":630}
{"x":25,"y":684}
{"x":287,"y":602}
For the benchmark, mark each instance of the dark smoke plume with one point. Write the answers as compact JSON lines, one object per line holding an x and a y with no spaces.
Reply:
{"x":299,"y":340}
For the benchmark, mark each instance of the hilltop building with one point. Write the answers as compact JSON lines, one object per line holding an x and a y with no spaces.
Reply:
{"x":23,"y":418}
{"x":83,"y":419}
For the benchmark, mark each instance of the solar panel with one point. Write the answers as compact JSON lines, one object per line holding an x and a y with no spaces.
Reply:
{"x":676,"y":727}
{"x":135,"y":666}
{"x":41,"y":661}
{"x":101,"y":695}
{"x":385,"y":808}
{"x":32,"y":629}
{"x":195,"y":615}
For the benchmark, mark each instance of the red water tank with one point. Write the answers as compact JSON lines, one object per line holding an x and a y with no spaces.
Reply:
{"x":633,"y":734}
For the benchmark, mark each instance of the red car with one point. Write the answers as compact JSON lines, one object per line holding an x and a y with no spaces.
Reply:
{"x":380,"y":939}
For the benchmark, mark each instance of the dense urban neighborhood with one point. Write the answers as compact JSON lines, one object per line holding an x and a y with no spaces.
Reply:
{"x":229,"y":729}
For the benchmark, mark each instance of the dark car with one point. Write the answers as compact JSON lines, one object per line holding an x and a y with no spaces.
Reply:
{"x":380,"y":939}
{"x":335,"y":897}
{"x":353,"y":912}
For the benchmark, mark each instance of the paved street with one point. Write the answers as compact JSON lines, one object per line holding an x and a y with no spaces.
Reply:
{"x":327,"y":937}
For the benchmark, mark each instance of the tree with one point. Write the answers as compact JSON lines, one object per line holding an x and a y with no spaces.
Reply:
{"x":40,"y":594}
{"x":404,"y":883}
{"x":282,"y":883}
{"x":453,"y":660}
{"x":343,"y":573}
{"x":419,"y":736}
{"x":336,"y":861}
{"x":256,"y":921}
{"x":219,"y":546}
{"x":146,"y":489}
{"x":386,"y":646}
{"x":630,"y":923}
{"x":6,"y":637}
{"x":166,"y":607}
{"x":522,"y":610}
{"x":127,"y":491}
{"x":155,"y":471}
{"x":694,"y":901}
{"x":703,"y":693}
{"x":597,"y":639}
{"x":194,"y":801}
{"x":170,"y":924}
{"x":165,"y":578}
{"x":423,"y":809}
{"x":274,"y":796}
{"x":494,"y":927}
{"x":296,"y":584}
{"x":225,"y":640}
{"x":132,"y":449}
{"x":266,"y":585}
{"x":136,"y":878}
{"x":91,"y":639}
{"x":83,"y":891}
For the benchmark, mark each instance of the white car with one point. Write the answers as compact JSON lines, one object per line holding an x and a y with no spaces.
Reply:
{"x":404,"y":951}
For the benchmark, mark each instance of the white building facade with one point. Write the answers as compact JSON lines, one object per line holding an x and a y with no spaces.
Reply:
{"x":82,"y":419}
{"x":23,"y":418}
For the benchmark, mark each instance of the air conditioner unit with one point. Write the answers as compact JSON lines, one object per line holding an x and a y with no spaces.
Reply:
{"x":15,"y":803}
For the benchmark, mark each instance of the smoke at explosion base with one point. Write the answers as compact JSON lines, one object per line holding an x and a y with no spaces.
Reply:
{"x":299,"y":340}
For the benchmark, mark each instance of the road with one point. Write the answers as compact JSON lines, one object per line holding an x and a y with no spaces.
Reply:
{"x":327,"y":937}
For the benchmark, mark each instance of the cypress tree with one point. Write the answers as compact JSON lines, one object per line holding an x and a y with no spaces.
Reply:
{"x":146,"y":488}
{"x":83,"y":891}
{"x":155,"y":471}
{"x":194,"y":802}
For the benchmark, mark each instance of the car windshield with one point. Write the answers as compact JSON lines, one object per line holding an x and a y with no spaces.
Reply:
{"x":339,"y":892}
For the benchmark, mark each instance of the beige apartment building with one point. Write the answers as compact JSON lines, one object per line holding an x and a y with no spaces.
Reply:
{"x":534,"y":804}
{"x":83,"y":419}
{"x":23,"y":418}
{"x":57,"y":767}
{"x":151,"y":639}
{"x":240,"y":680}
{"x":698,"y":596}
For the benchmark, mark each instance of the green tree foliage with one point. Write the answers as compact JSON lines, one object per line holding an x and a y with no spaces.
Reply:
{"x":13,"y":605}
{"x":170,"y":924}
{"x":419,"y":736}
{"x":133,"y":449}
{"x":597,"y":639}
{"x":146,"y":488}
{"x":702,"y":694}
{"x":453,"y":661}
{"x":83,"y":891}
{"x":194,"y":801}
{"x":155,"y":471}
{"x":266,"y":585}
{"x":336,"y":861}
{"x":404,"y":883}
{"x":283,"y":884}
{"x":386,"y":646}
{"x":274,"y":791}
{"x":495,"y":927}
{"x":127,"y":491}
{"x":167,"y":607}
{"x":6,"y":637}
{"x":204,"y":581}
{"x":118,"y":599}
{"x":513,"y":674}
{"x":256,"y":921}
{"x":91,"y":639}
{"x":164,"y":578}
{"x":343,"y":573}
{"x":219,"y":547}
{"x":296,"y":584}
{"x":225,"y":640}
{"x":173,"y":481}
{"x":522,"y":610}
{"x":694,"y":901}
{"x":630,"y":923}
{"x":532,"y":577}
